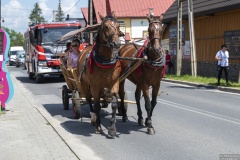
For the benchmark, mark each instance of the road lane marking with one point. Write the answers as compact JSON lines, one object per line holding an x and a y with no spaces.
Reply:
{"x":202,"y":112}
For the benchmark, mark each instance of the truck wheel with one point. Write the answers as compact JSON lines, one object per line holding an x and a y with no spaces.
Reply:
{"x":65,"y":97}
{"x":30,"y":75}
{"x":39,"y":78}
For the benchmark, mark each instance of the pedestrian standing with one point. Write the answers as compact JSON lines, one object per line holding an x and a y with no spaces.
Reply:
{"x":168,"y":62}
{"x":222,"y":58}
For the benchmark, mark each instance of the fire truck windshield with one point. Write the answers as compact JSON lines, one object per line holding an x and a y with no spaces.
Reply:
{"x":52,"y":35}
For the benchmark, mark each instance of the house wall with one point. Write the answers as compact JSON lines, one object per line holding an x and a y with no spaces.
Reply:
{"x":209,"y":36}
{"x":127,"y":24}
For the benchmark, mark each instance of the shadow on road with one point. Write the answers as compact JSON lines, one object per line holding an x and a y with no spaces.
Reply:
{"x":85,"y":128}
{"x":47,"y":79}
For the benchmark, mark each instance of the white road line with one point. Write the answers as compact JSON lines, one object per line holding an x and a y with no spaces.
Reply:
{"x":202,"y":112}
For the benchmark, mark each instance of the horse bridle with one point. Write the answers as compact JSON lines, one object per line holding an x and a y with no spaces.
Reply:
{"x":108,"y":42}
{"x":156,"y":29}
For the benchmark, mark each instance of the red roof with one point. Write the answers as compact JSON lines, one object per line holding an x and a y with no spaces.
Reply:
{"x":85,"y":14}
{"x":100,"y":6}
{"x":131,"y":8}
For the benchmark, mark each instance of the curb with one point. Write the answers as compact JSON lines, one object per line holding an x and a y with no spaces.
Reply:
{"x":221,"y":88}
{"x":80,"y":151}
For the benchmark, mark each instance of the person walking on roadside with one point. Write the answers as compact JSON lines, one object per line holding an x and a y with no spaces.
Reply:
{"x":222,"y":58}
{"x":168,"y":62}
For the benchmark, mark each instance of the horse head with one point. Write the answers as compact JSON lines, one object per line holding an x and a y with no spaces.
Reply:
{"x":155,"y":35}
{"x":109,"y":32}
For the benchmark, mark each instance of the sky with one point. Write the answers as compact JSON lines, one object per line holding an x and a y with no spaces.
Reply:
{"x":16,"y":12}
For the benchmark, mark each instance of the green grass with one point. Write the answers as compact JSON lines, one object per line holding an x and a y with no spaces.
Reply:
{"x":202,"y":80}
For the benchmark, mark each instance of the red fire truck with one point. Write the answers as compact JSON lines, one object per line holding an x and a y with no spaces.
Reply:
{"x":42,"y":45}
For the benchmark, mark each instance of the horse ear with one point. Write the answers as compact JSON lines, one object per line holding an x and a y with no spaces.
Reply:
{"x":101,"y":16}
{"x":161,"y":17}
{"x":149,"y":19}
{"x":113,"y":14}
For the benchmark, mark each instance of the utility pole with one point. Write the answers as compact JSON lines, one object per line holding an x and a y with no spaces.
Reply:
{"x":179,"y":38}
{"x":192,"y":39}
{"x":191,"y":35}
{"x":90,"y":18}
{"x":54,"y":18}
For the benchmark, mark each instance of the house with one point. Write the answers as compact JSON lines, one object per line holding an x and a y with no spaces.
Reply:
{"x":131,"y":14}
{"x":215,"y":22}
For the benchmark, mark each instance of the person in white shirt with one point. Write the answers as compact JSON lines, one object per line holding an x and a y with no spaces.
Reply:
{"x":222,"y":58}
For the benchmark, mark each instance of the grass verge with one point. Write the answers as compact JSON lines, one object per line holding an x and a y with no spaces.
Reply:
{"x":202,"y":80}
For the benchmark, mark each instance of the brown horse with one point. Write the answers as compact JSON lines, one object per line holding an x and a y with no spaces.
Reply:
{"x":99,"y":70}
{"x":148,"y":74}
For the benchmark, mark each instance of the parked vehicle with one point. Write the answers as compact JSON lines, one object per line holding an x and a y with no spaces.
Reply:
{"x":42,"y":47}
{"x":13,"y":52}
{"x":20,"y":59}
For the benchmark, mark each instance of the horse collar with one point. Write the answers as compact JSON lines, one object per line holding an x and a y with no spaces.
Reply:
{"x":157,"y":63}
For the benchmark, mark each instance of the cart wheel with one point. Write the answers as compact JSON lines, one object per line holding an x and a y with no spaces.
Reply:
{"x":65,"y":97}
{"x":76,"y":105}
{"x":125,"y":105}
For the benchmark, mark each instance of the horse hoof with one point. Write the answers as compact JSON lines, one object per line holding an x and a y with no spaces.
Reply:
{"x":140,"y":122}
{"x":99,"y":130}
{"x":125,"y":119}
{"x":150,"y":131}
{"x":112,"y":132}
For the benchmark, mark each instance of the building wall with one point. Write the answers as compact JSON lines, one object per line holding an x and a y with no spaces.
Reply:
{"x":209,"y":36}
{"x":127,"y":24}
{"x":209,"y":33}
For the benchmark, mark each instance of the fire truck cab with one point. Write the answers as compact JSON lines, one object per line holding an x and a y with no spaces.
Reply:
{"x":42,"y":45}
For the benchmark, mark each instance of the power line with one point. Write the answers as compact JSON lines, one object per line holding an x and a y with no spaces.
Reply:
{"x":73,"y":6}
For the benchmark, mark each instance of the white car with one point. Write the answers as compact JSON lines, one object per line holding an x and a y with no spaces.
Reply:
{"x":20,"y":59}
{"x":13,"y":53}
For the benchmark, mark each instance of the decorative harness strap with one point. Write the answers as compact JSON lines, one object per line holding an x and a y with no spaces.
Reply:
{"x":91,"y":58}
{"x":140,"y":55}
{"x":100,"y":62}
{"x":158,"y":63}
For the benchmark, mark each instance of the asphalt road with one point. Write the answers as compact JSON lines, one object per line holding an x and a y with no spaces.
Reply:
{"x":190,"y":123}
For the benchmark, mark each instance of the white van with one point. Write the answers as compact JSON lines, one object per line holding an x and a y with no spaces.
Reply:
{"x":13,"y":52}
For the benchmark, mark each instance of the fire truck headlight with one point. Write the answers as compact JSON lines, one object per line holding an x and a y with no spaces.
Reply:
{"x":42,"y":63}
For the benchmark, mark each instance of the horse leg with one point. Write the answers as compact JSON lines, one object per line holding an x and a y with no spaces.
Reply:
{"x":122,"y":95}
{"x":154,"y":97}
{"x":112,"y":130}
{"x":139,"y":110}
{"x":88,"y":97}
{"x":92,"y":114}
{"x":97,"y":109}
{"x":148,"y":121}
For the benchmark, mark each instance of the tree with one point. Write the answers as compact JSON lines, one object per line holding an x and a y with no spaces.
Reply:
{"x":60,"y":15}
{"x":35,"y":15}
{"x":16,"y":39}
